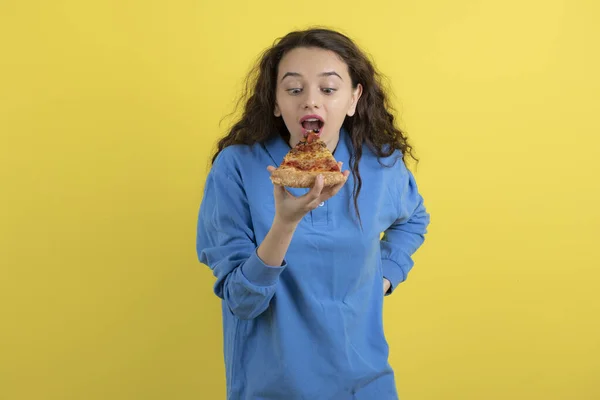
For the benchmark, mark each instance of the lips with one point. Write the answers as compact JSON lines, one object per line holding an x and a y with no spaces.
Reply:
{"x":312,"y":122}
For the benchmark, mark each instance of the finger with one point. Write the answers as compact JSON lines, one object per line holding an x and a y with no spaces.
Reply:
{"x":332,"y":190}
{"x":277,"y":189}
{"x":279,"y":192}
{"x":315,"y":192}
{"x":318,"y":186}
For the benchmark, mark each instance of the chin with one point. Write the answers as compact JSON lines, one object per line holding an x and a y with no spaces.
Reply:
{"x":295,"y":138}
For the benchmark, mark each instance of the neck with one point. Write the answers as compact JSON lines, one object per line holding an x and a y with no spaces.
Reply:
{"x":332,"y":143}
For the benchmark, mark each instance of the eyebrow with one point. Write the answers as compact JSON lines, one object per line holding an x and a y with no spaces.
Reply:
{"x":330,"y":73}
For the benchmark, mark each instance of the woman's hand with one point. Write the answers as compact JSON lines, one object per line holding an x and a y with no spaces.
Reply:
{"x":289,"y":209}
{"x":386,"y":285}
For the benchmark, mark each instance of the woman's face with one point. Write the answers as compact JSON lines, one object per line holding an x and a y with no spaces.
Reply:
{"x":314,"y":91}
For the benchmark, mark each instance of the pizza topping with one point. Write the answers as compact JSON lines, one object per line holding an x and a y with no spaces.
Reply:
{"x":305,"y":160}
{"x":312,"y":137}
{"x":333,"y":168}
{"x":305,"y":165}
{"x":312,"y":146}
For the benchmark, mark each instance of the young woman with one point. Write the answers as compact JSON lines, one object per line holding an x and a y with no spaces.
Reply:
{"x":302,"y":273}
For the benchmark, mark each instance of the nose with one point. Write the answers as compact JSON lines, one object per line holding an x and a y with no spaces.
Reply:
{"x":312,"y":99}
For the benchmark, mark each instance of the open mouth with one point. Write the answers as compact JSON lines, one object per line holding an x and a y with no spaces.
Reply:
{"x":312,"y":123}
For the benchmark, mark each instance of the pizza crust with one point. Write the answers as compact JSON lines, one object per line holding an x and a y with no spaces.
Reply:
{"x":304,"y":179}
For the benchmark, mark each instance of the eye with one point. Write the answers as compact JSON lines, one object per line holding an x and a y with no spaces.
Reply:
{"x":328,"y":90}
{"x":294,"y":91}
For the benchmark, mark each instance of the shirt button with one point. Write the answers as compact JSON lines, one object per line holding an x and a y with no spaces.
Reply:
{"x":321,"y":204}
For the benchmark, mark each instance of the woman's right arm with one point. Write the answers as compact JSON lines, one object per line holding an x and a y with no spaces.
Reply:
{"x":247,"y":274}
{"x":289,"y":210}
{"x":226,"y":243}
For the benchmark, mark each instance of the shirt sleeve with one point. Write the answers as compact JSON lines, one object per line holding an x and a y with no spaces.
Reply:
{"x":401,"y":240}
{"x":225,"y":242}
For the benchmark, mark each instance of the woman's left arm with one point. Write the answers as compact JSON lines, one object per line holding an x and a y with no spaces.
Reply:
{"x":401,"y":240}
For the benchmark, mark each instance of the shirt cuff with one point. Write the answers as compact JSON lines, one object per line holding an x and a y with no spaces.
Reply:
{"x":393,"y":273}
{"x":259,"y":273}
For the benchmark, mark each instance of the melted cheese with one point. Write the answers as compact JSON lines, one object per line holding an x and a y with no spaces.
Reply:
{"x":311,"y":157}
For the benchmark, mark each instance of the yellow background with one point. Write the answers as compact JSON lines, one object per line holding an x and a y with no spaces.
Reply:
{"x":109,"y":110}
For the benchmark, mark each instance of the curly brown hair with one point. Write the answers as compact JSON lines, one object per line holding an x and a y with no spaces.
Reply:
{"x":372,"y":125}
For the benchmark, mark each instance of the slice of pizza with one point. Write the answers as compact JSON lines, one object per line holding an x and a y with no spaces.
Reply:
{"x":305,"y":161}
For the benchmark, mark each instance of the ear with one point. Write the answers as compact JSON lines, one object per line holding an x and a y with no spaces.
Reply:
{"x":356,"y":93}
{"x":277,"y":111}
